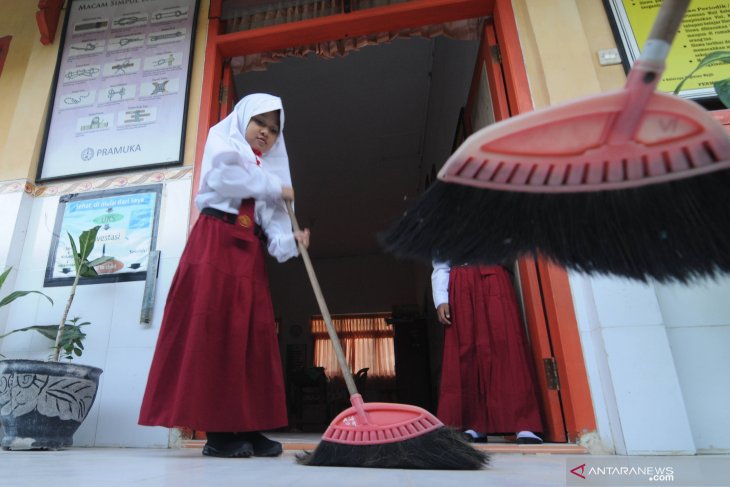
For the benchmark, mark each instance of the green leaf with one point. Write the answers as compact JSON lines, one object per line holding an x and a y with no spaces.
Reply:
{"x":87,"y":271}
{"x":100,"y":260}
{"x":18,"y":294}
{"x":722,"y":88}
{"x":4,"y":276}
{"x":48,"y":331}
{"x":77,"y":259}
{"x":71,"y":337}
{"x":87,"y":241}
{"x":713,"y":57}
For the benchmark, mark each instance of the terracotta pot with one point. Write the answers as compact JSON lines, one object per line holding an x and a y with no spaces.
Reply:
{"x":42,"y":404}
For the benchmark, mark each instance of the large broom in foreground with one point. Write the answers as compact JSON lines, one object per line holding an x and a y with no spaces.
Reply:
{"x":631,"y":183}
{"x":383,"y":435}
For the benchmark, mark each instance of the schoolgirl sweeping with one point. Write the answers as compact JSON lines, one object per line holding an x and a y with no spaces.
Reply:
{"x":216,"y":367}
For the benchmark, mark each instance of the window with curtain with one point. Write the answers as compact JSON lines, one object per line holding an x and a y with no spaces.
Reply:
{"x":367,"y":341}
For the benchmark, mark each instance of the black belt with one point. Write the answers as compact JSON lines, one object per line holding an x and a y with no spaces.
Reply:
{"x":221,"y":215}
{"x":232,"y":219}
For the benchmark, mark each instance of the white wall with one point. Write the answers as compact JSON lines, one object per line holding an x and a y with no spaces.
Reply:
{"x":116,"y":341}
{"x":657,"y":363}
{"x":697,"y":319}
{"x":15,"y":204}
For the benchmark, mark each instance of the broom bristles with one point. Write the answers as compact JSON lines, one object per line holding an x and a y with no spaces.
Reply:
{"x":676,"y":231}
{"x":440,"y":449}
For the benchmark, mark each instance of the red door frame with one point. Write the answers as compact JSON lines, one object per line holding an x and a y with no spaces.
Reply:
{"x":491,"y":62}
{"x":545,"y":288}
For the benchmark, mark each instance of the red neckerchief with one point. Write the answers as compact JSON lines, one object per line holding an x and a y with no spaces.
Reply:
{"x":258,"y":154}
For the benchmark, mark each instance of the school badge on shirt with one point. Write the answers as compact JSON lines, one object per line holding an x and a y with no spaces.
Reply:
{"x":244,"y":221}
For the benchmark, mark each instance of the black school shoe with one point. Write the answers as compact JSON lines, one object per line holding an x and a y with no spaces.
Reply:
{"x":528,"y":438}
{"x":227,"y":445}
{"x":471,"y":436}
{"x":262,"y":446}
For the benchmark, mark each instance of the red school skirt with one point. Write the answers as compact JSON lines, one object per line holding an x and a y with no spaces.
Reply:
{"x":217,"y":366}
{"x":488,"y":380}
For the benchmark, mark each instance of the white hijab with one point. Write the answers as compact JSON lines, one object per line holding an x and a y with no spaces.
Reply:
{"x":227,"y":141}
{"x":231,"y":130}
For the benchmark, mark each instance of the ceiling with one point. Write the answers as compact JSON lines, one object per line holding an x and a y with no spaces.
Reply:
{"x":358,"y":132}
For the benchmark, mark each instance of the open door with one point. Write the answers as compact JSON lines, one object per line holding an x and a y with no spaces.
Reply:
{"x":486,"y":104}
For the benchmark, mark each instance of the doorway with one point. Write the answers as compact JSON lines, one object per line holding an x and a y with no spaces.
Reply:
{"x":362,"y":132}
{"x":544,"y":288}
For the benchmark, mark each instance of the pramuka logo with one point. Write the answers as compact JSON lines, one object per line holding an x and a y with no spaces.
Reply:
{"x":88,"y":153}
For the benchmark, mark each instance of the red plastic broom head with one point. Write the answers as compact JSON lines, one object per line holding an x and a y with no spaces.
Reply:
{"x":634,"y":137}
{"x":377,"y":423}
{"x":582,"y":146}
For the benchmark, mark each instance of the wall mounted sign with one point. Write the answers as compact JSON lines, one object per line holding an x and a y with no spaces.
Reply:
{"x":128,"y":220}
{"x":121,"y":87}
{"x":705,"y":28}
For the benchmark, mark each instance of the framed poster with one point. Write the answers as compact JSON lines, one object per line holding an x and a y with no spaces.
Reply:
{"x":121,"y":86}
{"x":128,"y":220}
{"x":703,"y":30}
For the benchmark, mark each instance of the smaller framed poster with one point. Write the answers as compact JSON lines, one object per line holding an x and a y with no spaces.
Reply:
{"x":128,"y":220}
{"x":702,"y":31}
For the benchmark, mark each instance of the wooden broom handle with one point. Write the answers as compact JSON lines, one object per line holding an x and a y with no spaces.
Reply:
{"x":347,"y":374}
{"x":671,"y":13}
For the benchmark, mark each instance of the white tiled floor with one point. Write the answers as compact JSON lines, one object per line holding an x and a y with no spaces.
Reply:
{"x":145,"y":467}
{"x":95,"y":467}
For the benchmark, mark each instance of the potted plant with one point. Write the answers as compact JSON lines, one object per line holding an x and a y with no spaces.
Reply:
{"x":42,"y":403}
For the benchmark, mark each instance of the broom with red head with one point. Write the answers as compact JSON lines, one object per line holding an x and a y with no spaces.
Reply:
{"x":383,"y":435}
{"x":632,"y":183}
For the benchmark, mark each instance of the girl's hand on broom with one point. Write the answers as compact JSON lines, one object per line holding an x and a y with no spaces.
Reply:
{"x":444,"y":313}
{"x":302,"y":237}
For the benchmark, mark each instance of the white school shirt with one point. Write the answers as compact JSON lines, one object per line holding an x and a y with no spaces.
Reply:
{"x":440,"y":283}
{"x":230,"y":173}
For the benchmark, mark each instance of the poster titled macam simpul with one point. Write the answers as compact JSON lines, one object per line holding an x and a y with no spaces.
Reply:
{"x":121,"y":87}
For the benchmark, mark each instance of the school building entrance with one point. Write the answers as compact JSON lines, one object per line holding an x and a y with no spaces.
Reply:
{"x":375,"y":100}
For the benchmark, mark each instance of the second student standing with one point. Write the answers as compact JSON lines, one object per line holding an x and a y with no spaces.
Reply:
{"x":488,"y":381}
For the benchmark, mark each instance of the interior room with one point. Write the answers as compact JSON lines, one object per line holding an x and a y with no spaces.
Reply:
{"x":366,"y":133}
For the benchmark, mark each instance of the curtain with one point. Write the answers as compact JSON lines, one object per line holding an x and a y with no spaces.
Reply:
{"x":367,"y":341}
{"x":285,"y":12}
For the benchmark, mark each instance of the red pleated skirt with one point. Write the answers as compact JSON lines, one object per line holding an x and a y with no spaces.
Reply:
{"x":487,"y":376}
{"x":217,"y":366}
